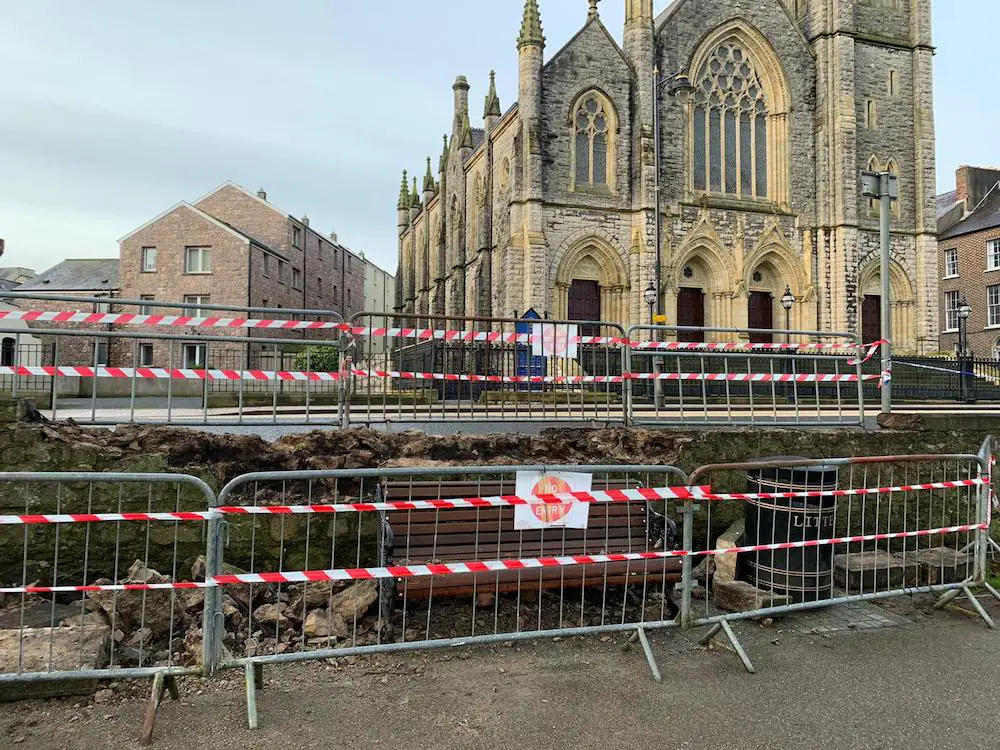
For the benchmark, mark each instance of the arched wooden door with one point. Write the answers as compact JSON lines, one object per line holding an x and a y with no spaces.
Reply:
{"x":585,"y":303}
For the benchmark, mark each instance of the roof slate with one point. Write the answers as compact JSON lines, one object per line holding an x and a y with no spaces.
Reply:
{"x":76,"y":276}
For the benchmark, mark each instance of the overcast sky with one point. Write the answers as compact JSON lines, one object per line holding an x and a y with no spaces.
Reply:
{"x":113,"y":110}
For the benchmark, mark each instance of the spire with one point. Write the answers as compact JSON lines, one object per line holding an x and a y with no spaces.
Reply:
{"x":444,"y":155}
{"x":415,"y":196}
{"x":531,"y":26}
{"x":429,"y":178}
{"x":492,"y":106}
{"x":593,"y":12}
{"x":466,"y":141}
{"x":404,"y":194}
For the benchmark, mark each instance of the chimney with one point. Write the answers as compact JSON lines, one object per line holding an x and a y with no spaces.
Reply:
{"x":262,"y":194}
{"x":333,"y":236}
{"x":305,"y":221}
{"x":972,"y":184}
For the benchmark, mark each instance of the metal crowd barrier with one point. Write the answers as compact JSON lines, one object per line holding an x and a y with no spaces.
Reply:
{"x":341,"y":563}
{"x":304,"y":367}
{"x":445,"y":368}
{"x":102,"y":576}
{"x":816,"y":533}
{"x":730,"y":376}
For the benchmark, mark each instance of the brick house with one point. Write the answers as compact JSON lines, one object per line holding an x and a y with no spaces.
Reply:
{"x":77,"y":278}
{"x":969,"y":259}
{"x":233,"y":247}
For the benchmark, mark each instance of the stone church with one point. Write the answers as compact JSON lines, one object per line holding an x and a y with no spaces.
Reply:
{"x":766,"y":112}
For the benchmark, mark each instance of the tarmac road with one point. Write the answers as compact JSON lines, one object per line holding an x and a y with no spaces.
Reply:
{"x":931,"y":684}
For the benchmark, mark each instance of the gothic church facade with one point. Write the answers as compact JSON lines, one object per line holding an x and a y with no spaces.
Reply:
{"x":768,"y":112}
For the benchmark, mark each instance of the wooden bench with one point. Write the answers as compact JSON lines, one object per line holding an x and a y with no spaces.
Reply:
{"x":466,"y":535}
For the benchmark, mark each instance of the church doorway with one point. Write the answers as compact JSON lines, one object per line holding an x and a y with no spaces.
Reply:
{"x":691,"y":312}
{"x":760,"y":314}
{"x":871,"y":318}
{"x":585,"y":303}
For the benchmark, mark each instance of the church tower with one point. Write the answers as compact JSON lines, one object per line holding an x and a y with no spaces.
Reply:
{"x":875,"y":111}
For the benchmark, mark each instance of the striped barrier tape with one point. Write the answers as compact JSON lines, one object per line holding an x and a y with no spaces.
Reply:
{"x":488,"y":566}
{"x":42,"y":316}
{"x":585,"y":379}
{"x":929,"y":486}
{"x":593,"y":497}
{"x":534,"y":563}
{"x":60,"y":518}
{"x":161,"y":373}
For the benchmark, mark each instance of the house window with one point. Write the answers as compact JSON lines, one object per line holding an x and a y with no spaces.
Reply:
{"x":296,"y":236}
{"x":348,"y":297}
{"x":267,"y":265}
{"x":319,"y":286}
{"x":146,"y":309}
{"x":196,"y":299}
{"x":263,"y":302}
{"x":296,"y":278}
{"x":194,"y":356}
{"x":148,"y":259}
{"x":993,"y":255}
{"x":993,"y":305}
{"x":102,"y":307}
{"x":335,"y":291}
{"x":101,"y":353}
{"x":871,"y":114}
{"x":145,"y":355}
{"x":730,"y":122}
{"x":951,"y":303}
{"x":7,"y":351}
{"x":593,"y":129}
{"x":197,"y":260}
{"x":951,"y":264}
{"x":281,"y":271}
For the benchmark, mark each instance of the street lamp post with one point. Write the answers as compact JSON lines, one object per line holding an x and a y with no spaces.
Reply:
{"x":650,"y":295}
{"x":787,"y":302}
{"x":885,"y":187}
{"x":964,"y":313}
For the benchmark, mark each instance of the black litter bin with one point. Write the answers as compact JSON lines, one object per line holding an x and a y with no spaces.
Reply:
{"x":805,"y":573}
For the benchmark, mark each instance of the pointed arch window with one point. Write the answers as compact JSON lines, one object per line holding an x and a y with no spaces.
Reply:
{"x":730,"y":121}
{"x":595,"y":125}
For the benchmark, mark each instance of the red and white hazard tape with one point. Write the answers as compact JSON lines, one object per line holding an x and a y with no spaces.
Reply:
{"x":563,"y":498}
{"x":108,"y":587}
{"x":584,"y":379}
{"x":60,"y":518}
{"x":977,"y":482}
{"x":162,"y":373}
{"x":401,"y":332}
{"x":487,"y":566}
{"x":534,"y":563}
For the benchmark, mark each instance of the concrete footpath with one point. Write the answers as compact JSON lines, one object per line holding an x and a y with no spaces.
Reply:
{"x":928,"y":680}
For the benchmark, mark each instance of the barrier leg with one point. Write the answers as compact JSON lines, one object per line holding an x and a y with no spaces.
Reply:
{"x":946,"y":597}
{"x":161,"y":684}
{"x":996,"y":594}
{"x":979,"y":608}
{"x":734,"y":642}
{"x":250,"y":675}
{"x":650,"y":659}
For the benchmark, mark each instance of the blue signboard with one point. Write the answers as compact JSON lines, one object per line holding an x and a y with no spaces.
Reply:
{"x":527,"y":365}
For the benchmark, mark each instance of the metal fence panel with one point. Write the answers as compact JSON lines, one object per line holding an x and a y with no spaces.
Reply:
{"x":815,"y":533}
{"x":102,"y":575}
{"x":443,"y":368}
{"x":727,"y":376}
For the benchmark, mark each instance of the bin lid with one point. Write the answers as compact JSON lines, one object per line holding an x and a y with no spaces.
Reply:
{"x":815,"y":477}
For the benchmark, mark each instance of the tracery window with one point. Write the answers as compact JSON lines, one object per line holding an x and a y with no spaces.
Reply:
{"x":594,"y":130}
{"x":729,"y":125}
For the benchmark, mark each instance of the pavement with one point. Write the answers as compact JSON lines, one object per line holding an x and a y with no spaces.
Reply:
{"x":919,"y":678}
